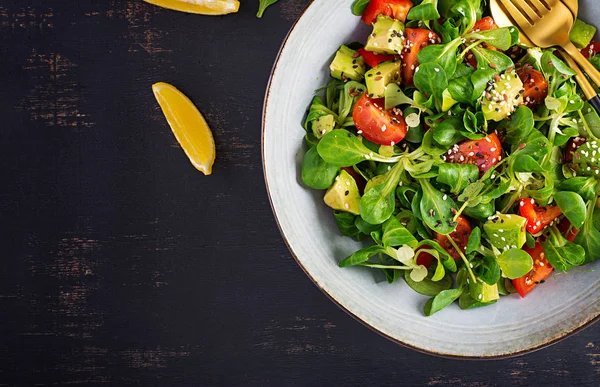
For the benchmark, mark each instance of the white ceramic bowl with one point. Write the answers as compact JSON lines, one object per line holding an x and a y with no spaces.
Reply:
{"x":511,"y":326}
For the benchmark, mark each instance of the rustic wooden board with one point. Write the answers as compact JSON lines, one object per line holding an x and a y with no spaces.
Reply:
{"x":123,"y":265}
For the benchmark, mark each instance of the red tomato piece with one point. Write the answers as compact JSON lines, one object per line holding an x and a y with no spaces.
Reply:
{"x":396,"y":9}
{"x":424,"y":258}
{"x":361,"y":183}
{"x":415,"y":40}
{"x":572,"y":145}
{"x":534,"y":84}
{"x":483,"y":153}
{"x":540,"y":272}
{"x":485,"y":24}
{"x":373,"y":59}
{"x":460,"y":235}
{"x":538,"y":217}
{"x":591,"y":50}
{"x":567,"y":230}
{"x":383,"y":127}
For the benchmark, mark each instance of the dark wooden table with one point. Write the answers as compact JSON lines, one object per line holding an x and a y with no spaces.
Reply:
{"x":123,"y":265}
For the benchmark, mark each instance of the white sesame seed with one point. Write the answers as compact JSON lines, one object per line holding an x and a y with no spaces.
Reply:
{"x":445,"y":197}
{"x":532,"y":201}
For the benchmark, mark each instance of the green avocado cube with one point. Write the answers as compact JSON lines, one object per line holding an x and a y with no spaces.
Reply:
{"x":586,"y":159}
{"x":502,"y":97}
{"x":506,"y":231}
{"x":379,"y":77}
{"x":387,"y":36}
{"x":343,"y":195}
{"x":347,"y":64}
{"x":582,"y":33}
{"x":482,"y":292}
{"x":323,"y":125}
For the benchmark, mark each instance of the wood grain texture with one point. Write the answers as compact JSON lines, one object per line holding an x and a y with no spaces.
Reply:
{"x":125,"y":266}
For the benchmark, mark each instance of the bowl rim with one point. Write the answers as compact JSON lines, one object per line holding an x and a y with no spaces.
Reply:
{"x":589,"y":322}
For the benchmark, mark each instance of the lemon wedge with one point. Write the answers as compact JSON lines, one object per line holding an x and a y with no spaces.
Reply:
{"x":202,"y":7}
{"x":188,"y":125}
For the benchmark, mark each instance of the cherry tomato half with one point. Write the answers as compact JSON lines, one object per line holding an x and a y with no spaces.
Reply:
{"x":538,"y":217}
{"x":540,"y":272}
{"x":483,"y":153}
{"x":460,"y":236}
{"x":534,"y":84}
{"x":383,"y":127}
{"x":565,"y":228}
{"x":396,"y":9}
{"x":591,"y":50}
{"x":415,"y":40}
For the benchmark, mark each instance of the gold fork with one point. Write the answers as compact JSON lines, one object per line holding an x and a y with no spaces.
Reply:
{"x":503,"y":20}
{"x":547,"y":23}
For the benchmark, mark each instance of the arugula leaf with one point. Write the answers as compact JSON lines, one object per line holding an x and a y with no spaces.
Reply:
{"x":345,"y":222}
{"x":436,"y":209}
{"x":461,"y":89}
{"x":431,"y":79}
{"x":443,"y":55}
{"x":562,"y":254}
{"x":362,"y":256}
{"x":572,"y":206}
{"x":316,"y":110}
{"x":366,"y":228}
{"x":488,"y":270}
{"x":394,"y":96}
{"x":395,"y":234}
{"x":429,"y":287}
{"x":341,"y":148}
{"x":358,"y":8}
{"x":263,"y":5}
{"x":377,"y":205}
{"x":515,"y":263}
{"x":427,"y":10}
{"x":526,"y":163}
{"x":480,"y":79}
{"x":467,"y":11}
{"x":482,"y":211}
{"x":589,"y":236}
{"x":585,"y":186}
{"x":316,"y":173}
{"x":457,"y":176}
{"x":447,"y":132}
{"x":474,"y":241}
{"x":519,"y":127}
{"x":499,"y":37}
{"x":492,"y":59}
{"x":441,"y":300}
{"x":467,"y":302}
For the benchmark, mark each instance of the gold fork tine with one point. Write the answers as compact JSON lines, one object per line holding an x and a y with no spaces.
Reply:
{"x":515,"y":13}
{"x":526,"y":9}
{"x":541,"y":7}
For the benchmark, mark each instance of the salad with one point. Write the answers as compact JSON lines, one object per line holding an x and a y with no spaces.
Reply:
{"x":467,"y":161}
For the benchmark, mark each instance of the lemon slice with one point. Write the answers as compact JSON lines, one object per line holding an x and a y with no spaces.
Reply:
{"x":202,"y":7}
{"x":188,"y":125}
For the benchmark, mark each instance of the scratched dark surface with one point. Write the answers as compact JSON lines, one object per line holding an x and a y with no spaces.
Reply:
{"x":123,"y":265}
